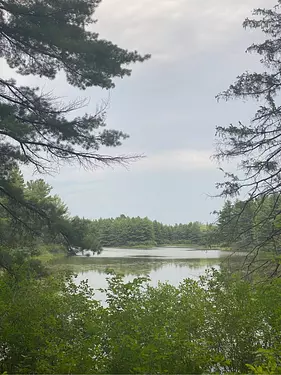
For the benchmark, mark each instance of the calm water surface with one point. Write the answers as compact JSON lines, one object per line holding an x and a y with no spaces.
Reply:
{"x":160,"y":264}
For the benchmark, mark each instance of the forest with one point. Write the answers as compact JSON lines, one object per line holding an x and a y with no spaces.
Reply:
{"x":225,"y":322}
{"x":239,"y":225}
{"x":142,"y":232}
{"x":249,"y":225}
{"x":72,"y":234}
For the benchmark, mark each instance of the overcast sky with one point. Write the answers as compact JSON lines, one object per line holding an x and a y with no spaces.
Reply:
{"x":167,"y":106}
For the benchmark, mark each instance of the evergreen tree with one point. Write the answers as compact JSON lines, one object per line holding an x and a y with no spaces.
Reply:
{"x":257,"y":144}
{"x":41,"y":38}
{"x":126,"y":231}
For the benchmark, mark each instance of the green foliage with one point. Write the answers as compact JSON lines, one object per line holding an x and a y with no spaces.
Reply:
{"x":42,"y":38}
{"x":252,"y":225}
{"x":32,"y":217}
{"x":219,"y":324}
{"x":142,"y":232}
{"x":37,"y":224}
{"x":84,"y":235}
{"x":45,"y":325}
{"x":267,"y":362}
{"x":255,"y":144}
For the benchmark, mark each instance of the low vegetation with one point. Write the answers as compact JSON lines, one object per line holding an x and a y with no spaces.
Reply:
{"x":220,"y":324}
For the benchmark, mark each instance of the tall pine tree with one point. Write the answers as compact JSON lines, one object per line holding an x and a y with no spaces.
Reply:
{"x":41,"y":38}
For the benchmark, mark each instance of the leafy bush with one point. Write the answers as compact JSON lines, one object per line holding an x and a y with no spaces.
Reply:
{"x":219,"y":324}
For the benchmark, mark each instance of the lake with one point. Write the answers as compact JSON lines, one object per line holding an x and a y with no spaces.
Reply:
{"x":166,"y":264}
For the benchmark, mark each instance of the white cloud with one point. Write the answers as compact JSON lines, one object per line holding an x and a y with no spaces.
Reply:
{"x":172,"y":160}
{"x":170,"y":29}
{"x":177,"y":160}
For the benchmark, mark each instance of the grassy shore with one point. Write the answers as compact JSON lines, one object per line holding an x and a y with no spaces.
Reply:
{"x":197,"y":247}
{"x":47,"y":256}
{"x":47,"y":253}
{"x":187,"y":245}
{"x":140,"y":247}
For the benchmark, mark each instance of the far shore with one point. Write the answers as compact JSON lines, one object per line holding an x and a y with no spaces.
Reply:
{"x":189,"y":246}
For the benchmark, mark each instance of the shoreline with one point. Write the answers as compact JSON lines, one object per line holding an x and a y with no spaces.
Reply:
{"x":172,"y":246}
{"x":48,"y":257}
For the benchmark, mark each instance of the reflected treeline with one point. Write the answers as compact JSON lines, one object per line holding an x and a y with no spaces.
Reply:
{"x":140,"y":266}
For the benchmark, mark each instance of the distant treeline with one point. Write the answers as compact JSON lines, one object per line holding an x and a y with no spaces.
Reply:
{"x":240,"y":226}
{"x":74,"y":234}
{"x":137,"y":232}
{"x":253,"y":224}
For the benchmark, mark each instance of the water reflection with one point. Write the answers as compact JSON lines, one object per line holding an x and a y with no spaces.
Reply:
{"x":171,"y":265}
{"x":172,"y":272}
{"x":133,"y":265}
{"x":159,"y":252}
{"x":161,"y":264}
